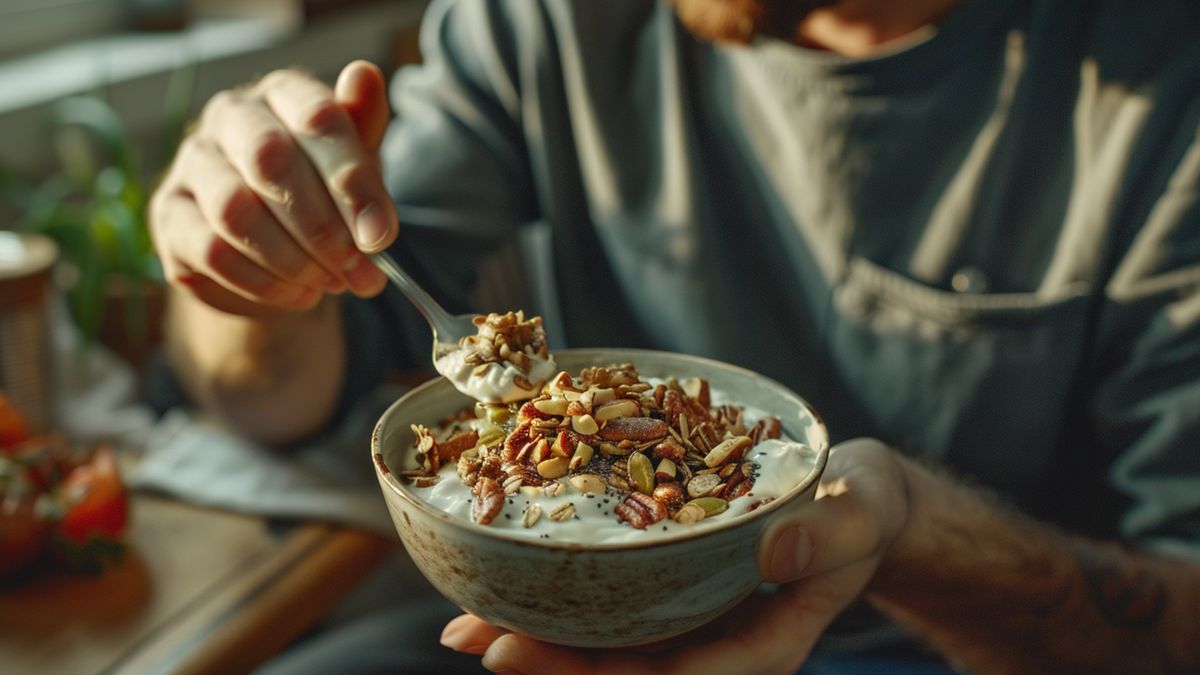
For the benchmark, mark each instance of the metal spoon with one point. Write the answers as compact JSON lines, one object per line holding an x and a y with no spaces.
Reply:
{"x":448,"y":328}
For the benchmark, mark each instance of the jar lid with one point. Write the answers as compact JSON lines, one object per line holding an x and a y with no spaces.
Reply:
{"x":25,"y":262}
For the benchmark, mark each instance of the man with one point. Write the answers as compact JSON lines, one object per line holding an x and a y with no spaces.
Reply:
{"x":968,"y":229}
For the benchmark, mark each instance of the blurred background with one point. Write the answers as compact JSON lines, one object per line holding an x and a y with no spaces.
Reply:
{"x":94,"y":95}
{"x":120,"y":550}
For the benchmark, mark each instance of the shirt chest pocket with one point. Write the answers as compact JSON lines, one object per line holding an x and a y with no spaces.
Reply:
{"x":980,"y":381}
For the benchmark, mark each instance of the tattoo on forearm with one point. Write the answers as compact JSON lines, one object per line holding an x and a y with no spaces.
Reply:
{"x":1126,"y":594}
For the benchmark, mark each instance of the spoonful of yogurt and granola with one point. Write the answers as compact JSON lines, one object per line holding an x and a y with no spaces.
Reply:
{"x":506,"y":360}
{"x":498,"y":358}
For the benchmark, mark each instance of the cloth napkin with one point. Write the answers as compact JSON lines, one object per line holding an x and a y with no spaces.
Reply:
{"x":197,"y":460}
{"x":330,"y":479}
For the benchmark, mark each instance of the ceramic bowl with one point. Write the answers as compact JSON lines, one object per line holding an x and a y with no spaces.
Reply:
{"x":603,"y":595}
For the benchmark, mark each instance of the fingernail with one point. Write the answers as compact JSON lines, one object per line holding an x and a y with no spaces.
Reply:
{"x":373,"y":225}
{"x":452,"y":637}
{"x":474,"y":650}
{"x":793,"y":551}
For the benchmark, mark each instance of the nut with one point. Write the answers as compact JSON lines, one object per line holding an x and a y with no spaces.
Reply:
{"x":766,"y":428}
{"x":584,"y":424}
{"x":670,"y":494}
{"x":697,"y":388}
{"x":701,"y":485}
{"x":489,"y":499}
{"x":588,"y":482}
{"x":521,"y":361}
{"x":540,"y":451}
{"x":586,"y":400}
{"x":555,"y":467}
{"x":612,"y":450}
{"x":516,"y":440}
{"x":690,"y":513}
{"x":634,"y":429}
{"x":641,"y":472}
{"x":532,"y":514}
{"x":640,"y":510}
{"x":552,"y":406}
{"x":739,"y":490}
{"x":582,"y":457}
{"x":665,"y":470}
{"x":669,"y":449}
{"x":619,"y":408}
{"x":563,"y":512}
{"x":602,"y":395}
{"x":711,"y":505}
{"x":468,"y":468}
{"x":564,"y":444}
{"x":561,"y":382}
{"x":730,"y":448}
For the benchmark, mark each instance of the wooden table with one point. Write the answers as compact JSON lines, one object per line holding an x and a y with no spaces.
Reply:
{"x":201,"y":591}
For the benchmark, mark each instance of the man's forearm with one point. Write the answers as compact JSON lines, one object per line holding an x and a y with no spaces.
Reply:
{"x":997,"y":592}
{"x":275,"y":379}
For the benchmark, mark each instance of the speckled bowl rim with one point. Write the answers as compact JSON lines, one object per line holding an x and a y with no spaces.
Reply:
{"x":399,"y":488}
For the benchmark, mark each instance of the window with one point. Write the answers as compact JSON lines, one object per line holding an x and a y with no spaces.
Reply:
{"x":31,"y":24}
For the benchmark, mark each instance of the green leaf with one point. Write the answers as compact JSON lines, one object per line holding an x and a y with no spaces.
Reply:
{"x":45,"y":206}
{"x":87,"y":297}
{"x":14,"y":189}
{"x":98,"y":118}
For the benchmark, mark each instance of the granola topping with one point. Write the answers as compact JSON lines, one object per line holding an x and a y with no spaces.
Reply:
{"x":506,"y":360}
{"x":602,"y":456}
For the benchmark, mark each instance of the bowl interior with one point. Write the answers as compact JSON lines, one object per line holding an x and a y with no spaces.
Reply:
{"x":392,"y":440}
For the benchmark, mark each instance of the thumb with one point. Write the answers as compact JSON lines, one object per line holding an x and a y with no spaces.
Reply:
{"x":860,"y":509}
{"x":362,"y":91}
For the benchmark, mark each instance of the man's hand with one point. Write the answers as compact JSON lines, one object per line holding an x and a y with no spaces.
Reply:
{"x":275,"y":197}
{"x":824,"y":556}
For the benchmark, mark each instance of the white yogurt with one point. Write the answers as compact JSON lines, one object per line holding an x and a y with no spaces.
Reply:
{"x":498,"y":384}
{"x":782,"y":465}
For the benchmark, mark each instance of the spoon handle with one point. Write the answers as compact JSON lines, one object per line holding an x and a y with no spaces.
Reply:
{"x":440,"y":320}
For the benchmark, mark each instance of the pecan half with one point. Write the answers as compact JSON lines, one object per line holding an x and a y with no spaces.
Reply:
{"x":489,"y":499}
{"x":468,"y":469}
{"x":641,"y":510}
{"x":491,"y":467}
{"x":767,"y":427}
{"x":516,"y":440}
{"x":449,"y":449}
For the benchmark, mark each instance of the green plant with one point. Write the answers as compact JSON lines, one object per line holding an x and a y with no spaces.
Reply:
{"x":94,"y":204}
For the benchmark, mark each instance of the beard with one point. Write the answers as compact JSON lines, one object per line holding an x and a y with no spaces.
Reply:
{"x":738,"y":21}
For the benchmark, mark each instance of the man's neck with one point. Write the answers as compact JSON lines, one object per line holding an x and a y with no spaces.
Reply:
{"x":857,"y":28}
